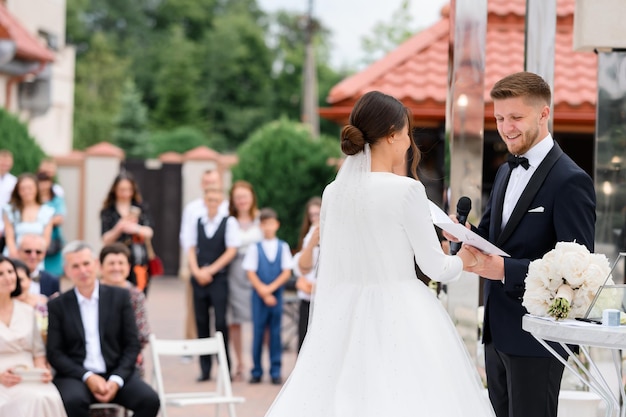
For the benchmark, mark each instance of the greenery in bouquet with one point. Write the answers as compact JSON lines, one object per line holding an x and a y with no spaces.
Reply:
{"x":563,"y":283}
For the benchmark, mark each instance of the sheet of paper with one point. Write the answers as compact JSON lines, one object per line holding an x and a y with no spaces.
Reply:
{"x":443,"y":221}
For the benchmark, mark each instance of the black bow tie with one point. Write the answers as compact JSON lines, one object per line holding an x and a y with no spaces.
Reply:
{"x":515,"y":161}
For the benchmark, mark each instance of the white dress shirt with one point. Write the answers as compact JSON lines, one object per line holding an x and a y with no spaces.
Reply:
{"x":231,"y":238}
{"x":7,"y":183}
{"x":270,"y":248}
{"x":90,"y":316}
{"x":188,"y":222}
{"x":520,"y":177}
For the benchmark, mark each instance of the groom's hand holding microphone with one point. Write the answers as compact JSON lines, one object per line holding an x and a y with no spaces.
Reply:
{"x":463,"y":207}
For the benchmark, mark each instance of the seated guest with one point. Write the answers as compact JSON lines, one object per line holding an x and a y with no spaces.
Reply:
{"x":114,"y":270}
{"x":22,"y":349}
{"x":31,"y":251}
{"x":100,"y":317}
{"x":37,"y":301}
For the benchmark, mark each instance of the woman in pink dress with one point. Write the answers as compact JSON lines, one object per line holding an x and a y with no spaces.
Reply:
{"x":25,"y":379}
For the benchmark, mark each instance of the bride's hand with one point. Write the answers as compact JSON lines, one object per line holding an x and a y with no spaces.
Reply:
{"x":468,"y":258}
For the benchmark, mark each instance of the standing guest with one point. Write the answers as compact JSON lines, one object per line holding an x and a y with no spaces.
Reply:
{"x":192,"y":211}
{"x":124,"y":219}
{"x":7,"y":183}
{"x":114,"y":270}
{"x":216,"y":240}
{"x":93,"y":342}
{"x":53,"y":261}
{"x":22,"y":348}
{"x":243,"y":208}
{"x":372,"y":320}
{"x":26,"y":213}
{"x":49,"y":166}
{"x":268,"y":264}
{"x":523,"y":378}
{"x":31,"y":252}
{"x":305,"y":262}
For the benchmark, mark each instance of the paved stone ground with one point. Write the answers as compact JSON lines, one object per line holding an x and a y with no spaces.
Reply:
{"x":166,"y":312}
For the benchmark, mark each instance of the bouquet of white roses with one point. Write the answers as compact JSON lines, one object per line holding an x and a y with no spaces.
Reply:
{"x":563,"y":283}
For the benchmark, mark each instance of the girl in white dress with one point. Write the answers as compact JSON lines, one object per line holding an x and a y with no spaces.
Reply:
{"x":25,"y":214}
{"x":22,"y":349}
{"x":379,"y":343}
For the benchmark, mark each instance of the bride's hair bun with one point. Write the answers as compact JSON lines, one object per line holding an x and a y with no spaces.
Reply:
{"x":352,"y":140}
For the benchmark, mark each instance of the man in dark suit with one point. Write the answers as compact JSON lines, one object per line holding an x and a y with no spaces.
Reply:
{"x":93,"y":343}
{"x":32,"y":251}
{"x":539,"y":198}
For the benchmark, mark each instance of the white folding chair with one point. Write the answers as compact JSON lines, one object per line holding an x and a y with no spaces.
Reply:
{"x":206,"y":346}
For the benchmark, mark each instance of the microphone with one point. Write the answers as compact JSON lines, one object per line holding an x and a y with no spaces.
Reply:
{"x":463,"y":207}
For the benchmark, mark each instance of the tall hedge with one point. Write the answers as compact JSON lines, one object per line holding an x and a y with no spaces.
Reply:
{"x":286,"y":167}
{"x":14,"y":136}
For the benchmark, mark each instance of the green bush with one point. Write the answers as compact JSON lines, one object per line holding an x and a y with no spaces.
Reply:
{"x":14,"y":136}
{"x":286,"y":167}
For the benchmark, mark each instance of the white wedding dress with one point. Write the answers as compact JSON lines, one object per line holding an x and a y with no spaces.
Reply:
{"x":379,"y":342}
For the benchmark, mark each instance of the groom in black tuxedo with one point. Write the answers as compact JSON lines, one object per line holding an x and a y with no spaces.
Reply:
{"x":540,"y":197}
{"x":93,"y":343}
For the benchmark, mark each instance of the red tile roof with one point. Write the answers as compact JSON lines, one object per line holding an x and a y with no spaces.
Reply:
{"x":416,"y":72}
{"x":28,"y":46}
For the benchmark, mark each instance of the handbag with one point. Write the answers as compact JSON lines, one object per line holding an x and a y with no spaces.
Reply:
{"x":155,"y":264}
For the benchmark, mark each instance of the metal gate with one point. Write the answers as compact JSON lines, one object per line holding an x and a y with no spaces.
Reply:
{"x":161,"y":187}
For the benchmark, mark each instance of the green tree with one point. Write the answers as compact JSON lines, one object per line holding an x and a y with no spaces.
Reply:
{"x":286,"y":167}
{"x":130,"y":132}
{"x":180,"y":139}
{"x":100,"y":75}
{"x":14,"y":137}
{"x":386,"y":36}
{"x":236,"y":65}
{"x":177,"y":84}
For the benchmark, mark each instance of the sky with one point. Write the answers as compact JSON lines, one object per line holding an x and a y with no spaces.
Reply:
{"x":350,"y":20}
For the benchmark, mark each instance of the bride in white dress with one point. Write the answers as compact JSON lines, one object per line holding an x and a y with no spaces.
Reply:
{"x":379,"y":343}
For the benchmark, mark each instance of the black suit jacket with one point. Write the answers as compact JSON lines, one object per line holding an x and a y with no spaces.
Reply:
{"x":49,"y":283}
{"x":118,"y":334}
{"x":558,"y":204}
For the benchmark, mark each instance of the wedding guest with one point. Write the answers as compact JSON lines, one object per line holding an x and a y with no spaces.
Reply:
{"x":305,"y":262}
{"x":53,"y":261}
{"x":100,"y":317}
{"x":243,"y":208}
{"x":114,"y":270}
{"x":7,"y":183}
{"x":49,"y":167}
{"x":26,"y":213}
{"x":32,"y":249}
{"x":216,"y":241}
{"x":268,"y":265}
{"x":38,"y":302}
{"x":22,"y":349}
{"x":540,"y":197}
{"x":124,"y":219}
{"x":192,"y":211}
